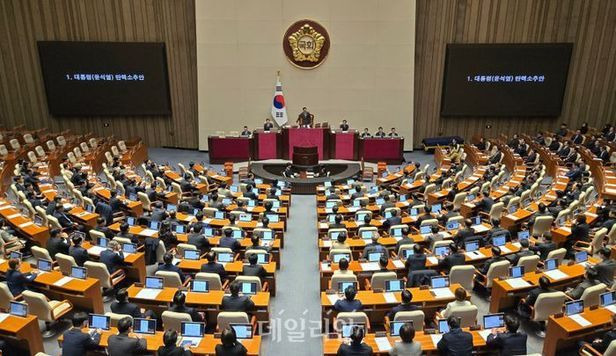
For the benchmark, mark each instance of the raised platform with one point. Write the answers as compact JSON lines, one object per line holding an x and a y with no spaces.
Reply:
{"x":339,"y":172}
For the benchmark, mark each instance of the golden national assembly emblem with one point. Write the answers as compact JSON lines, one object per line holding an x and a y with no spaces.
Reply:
{"x":306,"y":44}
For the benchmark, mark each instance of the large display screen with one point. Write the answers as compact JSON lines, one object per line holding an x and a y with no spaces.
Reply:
{"x":105,"y":78}
{"x":505,"y":79}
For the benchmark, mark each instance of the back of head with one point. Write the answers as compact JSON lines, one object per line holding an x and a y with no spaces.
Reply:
{"x":179,"y":298}
{"x":228,"y":337}
{"x":228,"y":232}
{"x":544,"y":282}
{"x":357,"y":334}
{"x":79,"y":318}
{"x":343,"y":264}
{"x":453,"y":247}
{"x":453,"y":322}
{"x":338,"y":218}
{"x":168,"y":258}
{"x":122,"y":295}
{"x":350,"y":293}
{"x":524,"y":243}
{"x":170,"y":337}
{"x":234,"y":288}
{"x":417,"y":249}
{"x":253,"y":258}
{"x":460,"y":294}
{"x":496,"y":251}
{"x":604,"y":253}
{"x":76,"y":240}
{"x":407,"y":333}
{"x":13,"y":263}
{"x":125,"y":324}
{"x":406,"y":296}
{"x":342,"y":236}
{"x":383,"y":261}
{"x":210,"y":256}
{"x":512,"y":323}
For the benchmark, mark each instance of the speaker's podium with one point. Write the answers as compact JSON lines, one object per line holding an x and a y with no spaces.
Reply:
{"x":305,"y":157}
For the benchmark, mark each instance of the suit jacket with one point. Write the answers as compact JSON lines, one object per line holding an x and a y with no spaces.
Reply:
{"x":56,"y":245}
{"x":401,"y":307}
{"x":489,"y":262}
{"x":235,"y":350}
{"x":16,"y":281}
{"x":126,"y":308}
{"x":214,"y":267}
{"x":354,"y":350}
{"x":240,"y":303}
{"x":79,"y":253}
{"x":416,"y":262}
{"x":63,"y":219}
{"x":455,"y":259}
{"x":605,"y":270}
{"x":374,"y":248}
{"x":344,"y":305}
{"x":194,"y":315}
{"x":485,"y":204}
{"x":103,"y":209}
{"x":173,"y":351}
{"x":534,"y":294}
{"x":77,"y":342}
{"x":123,"y":345}
{"x":112,"y":260}
{"x":254,"y":270}
{"x":229,"y":242}
{"x":514,"y":258}
{"x":171,"y":268}
{"x":394,"y":220}
{"x":115,"y":204}
{"x":200,"y":241}
{"x":508,"y":343}
{"x":579,"y":232}
{"x":544,"y":248}
{"x":456,"y":343}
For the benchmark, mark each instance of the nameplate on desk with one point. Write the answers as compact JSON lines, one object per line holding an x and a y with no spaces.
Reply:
{"x":517,"y":283}
{"x":436,"y":338}
{"x":556,"y":274}
{"x":3,"y":316}
{"x":480,"y":228}
{"x":474,"y":255}
{"x":484,"y":334}
{"x":390,"y":297}
{"x":325,"y":266}
{"x":62,"y":281}
{"x":611,"y":308}
{"x":333,"y":298}
{"x":370,"y":266}
{"x":13,"y":216}
{"x":580,"y":320}
{"x":148,"y":293}
{"x":517,"y":244}
{"x":96,"y":250}
{"x":26,"y":224}
{"x":327,"y":243}
{"x":148,"y":232}
{"x":398,"y":263}
{"x":382,"y":343}
{"x":433,"y":260}
{"x":504,"y":249}
{"x":440,"y":293}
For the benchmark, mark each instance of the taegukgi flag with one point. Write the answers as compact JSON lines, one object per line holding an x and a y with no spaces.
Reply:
{"x":279,"y":108}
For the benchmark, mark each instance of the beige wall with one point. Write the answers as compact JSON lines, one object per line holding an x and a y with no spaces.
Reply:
{"x":367,"y":78}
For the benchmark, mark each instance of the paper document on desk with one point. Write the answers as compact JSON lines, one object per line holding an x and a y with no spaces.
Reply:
{"x":327,"y":243}
{"x":382,"y":343}
{"x":325,"y":266}
{"x":3,"y":316}
{"x":333,"y":298}
{"x":323,"y":225}
{"x":580,"y":320}
{"x":13,"y":216}
{"x":148,"y":293}
{"x":517,"y":244}
{"x":96,"y":250}
{"x":370,"y":266}
{"x":556,"y":274}
{"x":441,"y":293}
{"x":611,"y":308}
{"x":436,"y":338}
{"x":517,"y":283}
{"x":25,"y":225}
{"x":504,"y":249}
{"x":148,"y":232}
{"x":474,"y":255}
{"x":62,"y":281}
{"x":398,"y":263}
{"x":390,"y":297}
{"x":433,"y":260}
{"x":484,"y":334}
{"x":479,"y":228}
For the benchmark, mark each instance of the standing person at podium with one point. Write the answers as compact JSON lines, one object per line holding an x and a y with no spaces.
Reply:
{"x":393,"y":133}
{"x":380,"y":133}
{"x":365,"y":134}
{"x":344,"y":126}
{"x":246,"y":132}
{"x":268,"y":125}
{"x":305,"y":118}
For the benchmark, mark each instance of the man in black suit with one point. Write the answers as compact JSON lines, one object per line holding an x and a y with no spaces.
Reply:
{"x":497,"y":230}
{"x":250,"y":194}
{"x":601,"y":344}
{"x":79,"y":253}
{"x":63,"y":219}
{"x":268,"y":125}
{"x":496,"y":257}
{"x":15,"y":280}
{"x":338,"y":224}
{"x":229,"y":241}
{"x":380,"y":133}
{"x":115,"y":203}
{"x":197,"y":239}
{"x":604,"y":154}
{"x":455,"y":258}
{"x":523,"y":252}
{"x":349,"y":303}
{"x":124,"y":345}
{"x":405,"y":305}
{"x":213,"y":267}
{"x":75,"y":341}
{"x":253,"y":268}
{"x":576,"y":172}
{"x":562,"y":131}
{"x":394,"y":219}
{"x":605,"y":269}
{"x":579,"y":232}
{"x":168,"y":266}
{"x":545,"y":246}
{"x":531,"y":298}
{"x":356,"y":347}
{"x":344,"y":126}
{"x":510,"y":342}
{"x":122,"y":305}
{"x":416,"y":261}
{"x":496,"y":157}
{"x":56,"y":244}
{"x":305,"y":118}
{"x":112,"y":257}
{"x":455,"y":342}
{"x":236,"y":302}
{"x":103,"y":209}
{"x":485,"y":203}
{"x":51,"y":208}
{"x":386,"y":204}
{"x":465,"y":230}
{"x":158,"y":213}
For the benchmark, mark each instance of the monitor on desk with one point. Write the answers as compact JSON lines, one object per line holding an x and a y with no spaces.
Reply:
{"x":90,"y":208}
{"x":242,"y":331}
{"x":224,"y":257}
{"x":471,"y":246}
{"x":227,"y":201}
{"x":79,"y":272}
{"x":357,"y":203}
{"x":367,"y":234}
{"x":574,"y":307}
{"x":607,"y":298}
{"x":16,"y":255}
{"x":425,"y":229}
{"x":154,"y":225}
{"x":144,"y":326}
{"x":208,"y":232}
{"x":513,"y":208}
{"x":443,"y":326}
{"x":258,"y":181}
{"x":551,"y":264}
{"x":338,"y":256}
{"x":516,"y":271}
{"x":219,"y":215}
{"x":44,"y":265}
{"x":374,"y":256}
{"x":249,"y":288}
{"x":234,"y":189}
{"x":196,"y":211}
{"x":192,"y":255}
{"x":395,"y":326}
{"x":493,"y":321}
{"x":347,"y":329}
{"x":360,"y":217}
{"x":130,"y":220}
{"x":470,"y":197}
{"x":439,"y":282}
{"x":379,"y":201}
{"x":523,"y":235}
{"x":103,"y":241}
{"x":407,"y":252}
{"x":267,"y":235}
{"x":245,"y":217}
{"x":476,"y":220}
{"x":330,"y":204}
{"x":179,"y":228}
{"x":436,"y":208}
{"x":99,"y":321}
{"x":251,"y":203}
{"x":350,"y":181}
{"x":388,"y":214}
{"x":133,"y":197}
{"x":397,"y":232}
{"x":499,"y":240}
{"x":414,"y":212}
{"x":129,"y":248}
{"x":331,"y":218}
{"x":18,"y":309}
{"x":403,"y":197}
{"x":452,"y":225}
{"x":442,"y":251}
{"x":172,"y":207}
{"x":199,"y":286}
{"x":581,"y":256}
{"x":263,"y":258}
{"x":327,"y":184}
{"x":237,"y":234}
{"x":394,"y":285}
{"x":192,"y":329}
{"x":275,"y":204}
{"x":342,"y":286}
{"x":38,"y":220}
{"x":154,"y":282}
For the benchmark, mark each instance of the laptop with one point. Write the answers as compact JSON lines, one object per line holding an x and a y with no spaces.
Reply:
{"x":394,"y":285}
{"x":44,"y":265}
{"x":357,"y":203}
{"x":442,"y":251}
{"x":144,"y":326}
{"x":342,"y":286}
{"x":403,"y":197}
{"x":347,"y":329}
{"x":227,"y":201}
{"x":476,"y":220}
{"x":551,"y":264}
{"x":439,"y":282}
{"x":330,"y":204}
{"x":192,"y":333}
{"x":367,"y":234}
{"x":262,"y":258}
{"x":258,"y":181}
{"x":360,"y":217}
{"x":407,"y":253}
{"x":397,"y":232}
{"x":523,"y":235}
{"x":395,"y":326}
{"x":273,"y":217}
{"x":129,"y":248}
{"x":154,"y":282}
{"x":38,"y":220}
{"x":234,"y":188}
{"x":374,"y":256}
{"x":179,"y":228}
{"x":245,"y":217}
{"x":192,"y":255}
{"x":249,"y":288}
{"x":471,"y":246}
{"x":414,"y":212}
{"x":219,"y":215}
{"x":513,"y":209}
{"x":436,"y":208}
{"x":130,"y":221}
{"x":16,"y":255}
{"x":267,"y":235}
{"x":380,"y":201}
{"x":470,"y":197}
{"x":208,"y":231}
{"x":18,"y":309}
{"x":90,"y":208}
{"x":452,"y":225}
{"x":199,"y":286}
{"x":103,"y":242}
{"x":79,"y":272}
{"x":426,"y":229}
{"x":607,"y":298}
{"x":224,"y":257}
{"x":443,"y":326}
{"x":154,"y":225}
{"x":172,"y":207}
{"x":338,"y":256}
{"x":388,"y":214}
{"x":242,"y":331}
{"x":99,"y":321}
{"x":493,"y":321}
{"x":237,"y":234}
{"x":499,"y":240}
{"x":581,"y":257}
{"x":516,"y":271}
{"x":574,"y":307}
{"x":251,"y":203}
{"x":133,"y":197}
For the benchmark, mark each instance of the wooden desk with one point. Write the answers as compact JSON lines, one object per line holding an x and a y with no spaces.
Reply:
{"x":23,"y":224}
{"x":562,"y":332}
{"x":25,"y":330}
{"x":134,"y":208}
{"x":206,"y":347}
{"x":134,"y":263}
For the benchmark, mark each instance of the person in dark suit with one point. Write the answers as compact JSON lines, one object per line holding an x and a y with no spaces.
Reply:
{"x":464,"y":232}
{"x":268,"y":125}
{"x":387,"y":204}
{"x":496,"y":257}
{"x":250,"y":193}
{"x":63,"y":219}
{"x":576,"y":172}
{"x":602,"y":343}
{"x":168,"y":266}
{"x":365,"y":133}
{"x":497,"y":230}
{"x":523,"y":252}
{"x":229,"y":345}
{"x":394,"y":219}
{"x":455,"y":258}
{"x":374,"y":246}
{"x":79,"y":253}
{"x":124,"y":345}
{"x":114,"y":202}
{"x":531,"y":298}
{"x":337,"y":223}
{"x":605,"y":269}
{"x":604,"y":154}
{"x":56,"y":244}
{"x":253,"y":268}
{"x":562,"y":131}
{"x":256,"y":245}
{"x":544,"y":247}
{"x":112,"y":257}
{"x":229,"y":241}
{"x":532,"y":156}
{"x":236,"y":302}
{"x":15,"y":280}
{"x":122,"y":306}
{"x":75,"y":341}
{"x":416,"y":261}
{"x":246,"y":132}
{"x":405,"y":240}
{"x":51,"y":208}
{"x":485,"y":203}
{"x":158,"y":213}
{"x":496,"y":157}
{"x":344,"y":126}
{"x":179,"y":306}
{"x":104,"y":210}
{"x":455,"y":342}
{"x":305,"y":118}
{"x":170,"y":348}
{"x":356,"y":347}
{"x":213,"y":267}
{"x":579,"y":232}
{"x":380,"y":133}
{"x":198,"y":239}
{"x":510,"y":342}
{"x":349,"y":303}
{"x":405,"y":305}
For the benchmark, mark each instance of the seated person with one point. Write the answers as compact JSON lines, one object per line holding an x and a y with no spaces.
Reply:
{"x":544,"y":246}
{"x":245,"y":133}
{"x":338,"y":224}
{"x":57,"y":243}
{"x":394,"y":219}
{"x":79,"y":253}
{"x":461,"y":301}
{"x":344,"y":126}
{"x":601,"y":343}
{"x":455,"y":258}
{"x":380,"y":133}
{"x":406,"y":239}
{"x":606,"y":268}
{"x":497,"y":230}
{"x":416,"y":261}
{"x":77,"y":342}
{"x":123,"y":306}
{"x":17,"y":281}
{"x":168,"y":266}
{"x":214,"y":267}
{"x":9,"y":241}
{"x":349,"y":303}
{"x":373,"y":247}
{"x":531,"y":298}
{"x":406,"y":296}
{"x":356,"y":347}
{"x":236,"y":302}
{"x":253,"y":268}
{"x":112,"y":257}
{"x":340,"y":242}
{"x":365,"y":133}
{"x":121,"y":344}
{"x":523,"y":252}
{"x":406,"y":346}
{"x":393,"y":133}
{"x":199,"y":240}
{"x":229,"y":345}
{"x":250,"y":194}
{"x":496,"y":257}
{"x":343,"y":267}
{"x":179,"y":306}
{"x":170,"y":348}
{"x":256,"y":244}
{"x":508,"y":341}
{"x":456,"y":341}
{"x":229,"y":241}
{"x":590,"y":279}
